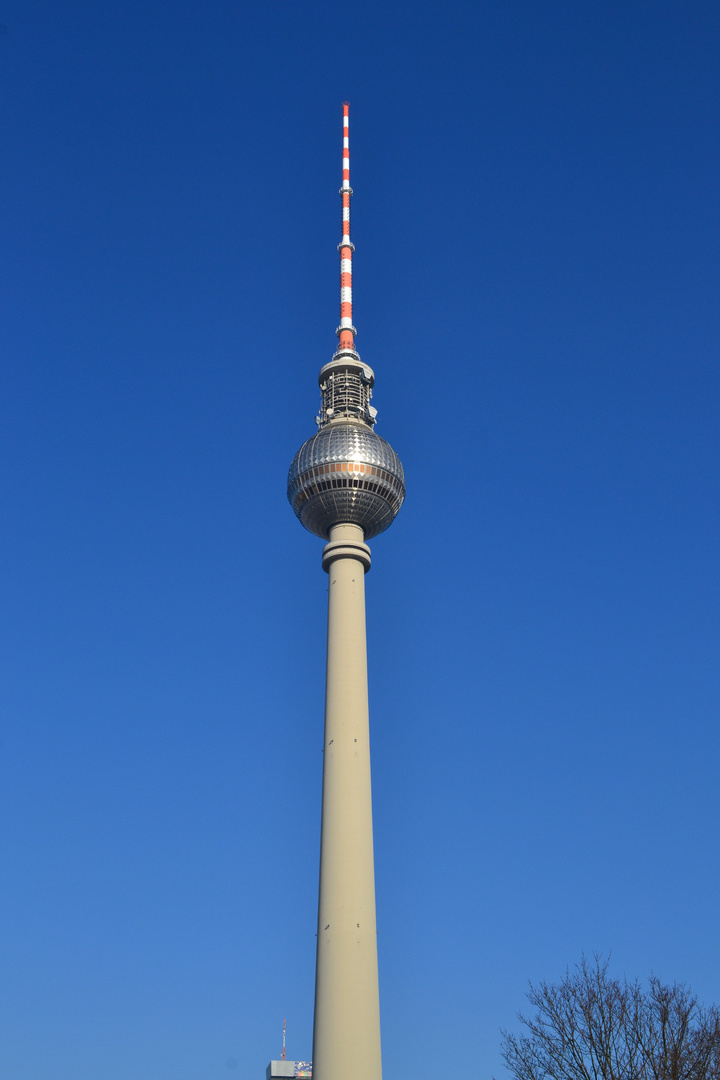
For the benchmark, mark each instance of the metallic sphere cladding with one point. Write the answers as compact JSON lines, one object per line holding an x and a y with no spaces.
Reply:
{"x":346,"y":474}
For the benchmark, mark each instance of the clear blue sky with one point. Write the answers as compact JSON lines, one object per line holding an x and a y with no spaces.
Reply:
{"x":536,"y":287}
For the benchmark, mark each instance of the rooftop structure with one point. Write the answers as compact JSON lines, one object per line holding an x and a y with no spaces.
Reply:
{"x":281,"y":1070}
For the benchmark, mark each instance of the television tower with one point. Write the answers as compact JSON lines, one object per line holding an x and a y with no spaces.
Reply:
{"x":346,"y":484}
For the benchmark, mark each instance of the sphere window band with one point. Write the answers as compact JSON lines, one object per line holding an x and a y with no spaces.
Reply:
{"x":312,"y":484}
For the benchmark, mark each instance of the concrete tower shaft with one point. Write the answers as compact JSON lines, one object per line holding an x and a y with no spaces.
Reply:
{"x":346,"y":1036}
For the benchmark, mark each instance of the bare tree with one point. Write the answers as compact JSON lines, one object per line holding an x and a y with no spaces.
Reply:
{"x":593,"y":1027}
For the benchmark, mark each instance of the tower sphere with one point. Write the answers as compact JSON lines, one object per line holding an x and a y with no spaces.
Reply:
{"x":346,"y":474}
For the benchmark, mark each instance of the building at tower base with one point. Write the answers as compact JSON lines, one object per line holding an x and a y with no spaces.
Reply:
{"x":283,"y":1070}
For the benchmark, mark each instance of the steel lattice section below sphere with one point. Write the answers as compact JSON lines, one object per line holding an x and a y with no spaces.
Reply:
{"x":346,"y":474}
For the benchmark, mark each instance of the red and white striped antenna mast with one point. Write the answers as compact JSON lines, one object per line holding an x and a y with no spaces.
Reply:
{"x":283,"y":1057}
{"x":346,"y":331}
{"x":346,"y":382}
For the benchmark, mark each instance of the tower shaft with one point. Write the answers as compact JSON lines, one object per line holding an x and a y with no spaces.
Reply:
{"x":346,"y":1038}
